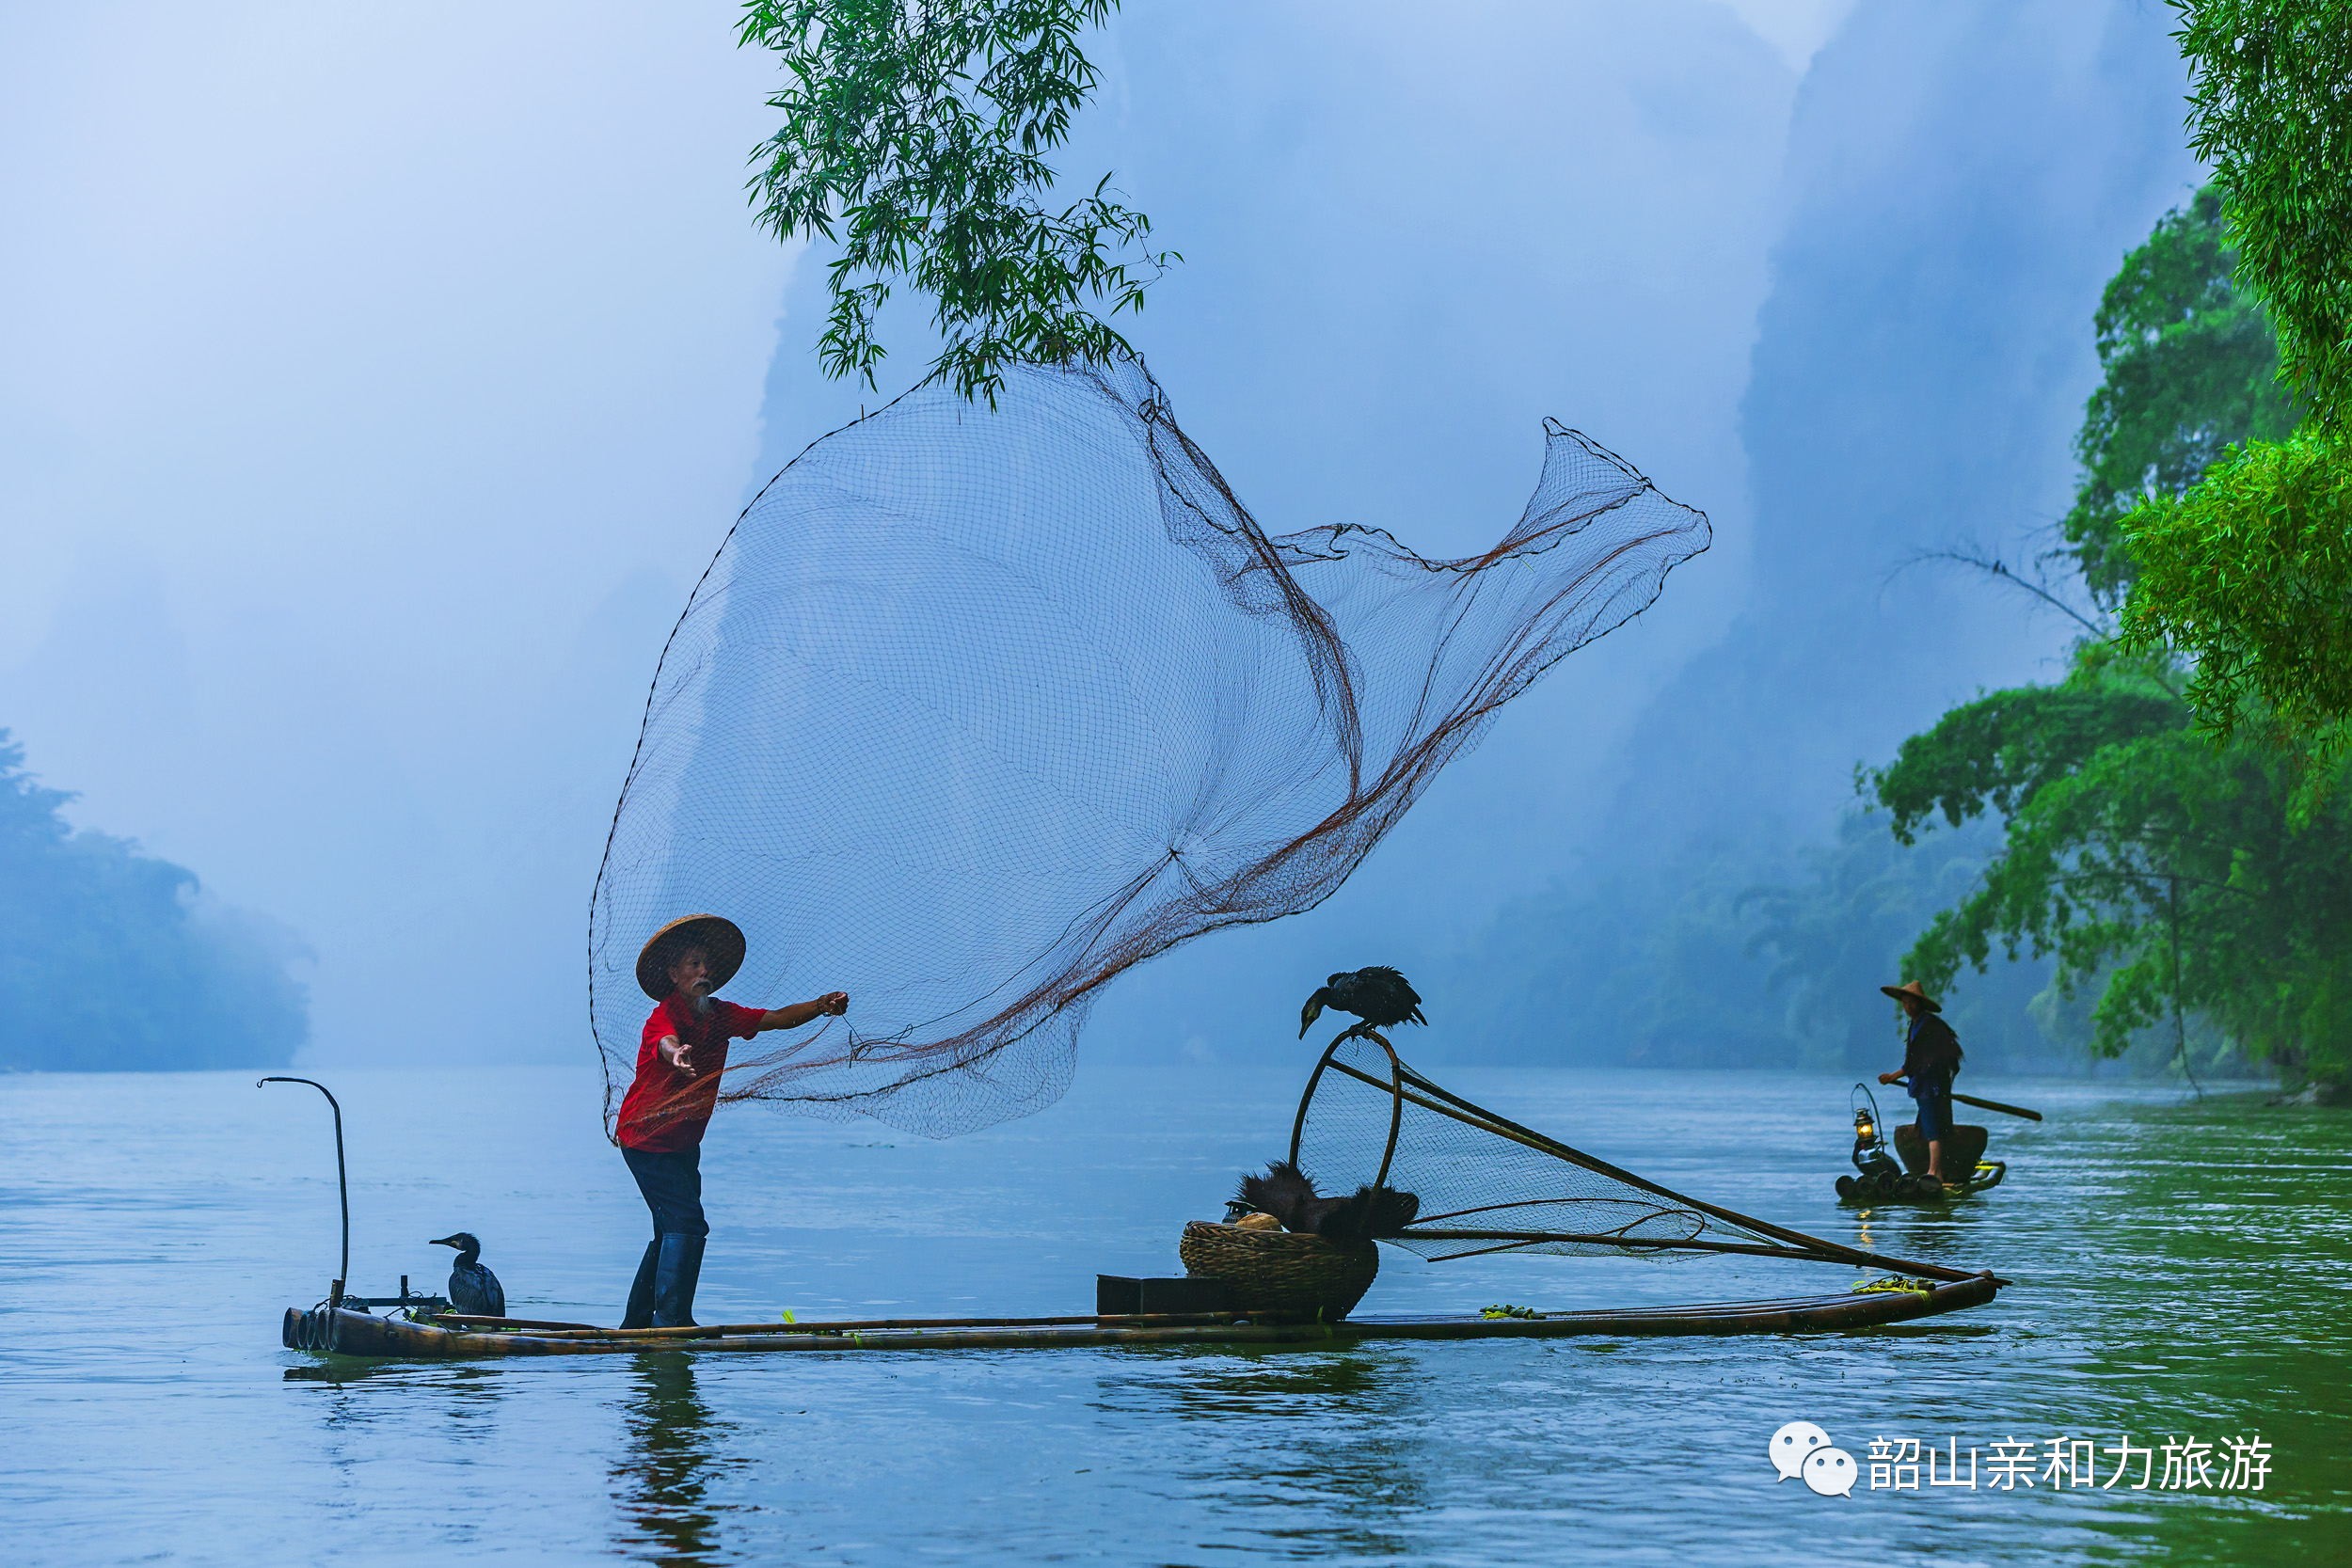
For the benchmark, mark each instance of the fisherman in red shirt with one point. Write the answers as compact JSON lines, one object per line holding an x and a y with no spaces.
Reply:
{"x":662,"y":1116}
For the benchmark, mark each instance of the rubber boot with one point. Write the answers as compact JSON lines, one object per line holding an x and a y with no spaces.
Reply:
{"x":640,"y":1313}
{"x":680,"y":1267}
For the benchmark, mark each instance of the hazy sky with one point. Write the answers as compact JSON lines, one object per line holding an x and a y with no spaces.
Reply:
{"x":378,"y":381}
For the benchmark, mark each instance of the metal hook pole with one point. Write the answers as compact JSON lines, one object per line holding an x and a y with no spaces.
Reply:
{"x":342,"y":1185}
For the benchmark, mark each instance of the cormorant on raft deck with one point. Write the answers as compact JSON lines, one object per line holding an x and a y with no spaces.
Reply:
{"x":1367,"y":1215}
{"x":473,"y":1289}
{"x":1378,"y":996}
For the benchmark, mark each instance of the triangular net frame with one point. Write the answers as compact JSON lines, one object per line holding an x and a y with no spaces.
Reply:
{"x":1488,"y":1185}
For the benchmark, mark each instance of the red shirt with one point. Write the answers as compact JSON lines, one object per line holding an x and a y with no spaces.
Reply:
{"x":665,"y":1110}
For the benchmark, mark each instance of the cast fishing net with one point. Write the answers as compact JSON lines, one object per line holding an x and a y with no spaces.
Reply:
{"x":1483,"y":1184}
{"x":979,"y":707}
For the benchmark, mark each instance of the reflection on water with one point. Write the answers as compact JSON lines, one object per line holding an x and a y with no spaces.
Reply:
{"x":2180,"y":1270}
{"x":675,"y":1451}
{"x":1320,"y":1447}
{"x":351,"y":1424}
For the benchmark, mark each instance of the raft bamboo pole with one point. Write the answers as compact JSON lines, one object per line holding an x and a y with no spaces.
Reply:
{"x":471,"y":1318}
{"x":391,"y":1339}
{"x":1537,"y":1238}
{"x":854,"y":1326}
{"x":1996,"y":1105}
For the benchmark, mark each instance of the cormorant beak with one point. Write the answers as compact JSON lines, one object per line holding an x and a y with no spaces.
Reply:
{"x":1313,"y":1011}
{"x":445,"y":1241}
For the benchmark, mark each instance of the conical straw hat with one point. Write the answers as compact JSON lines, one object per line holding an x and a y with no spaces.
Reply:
{"x":1910,"y":988}
{"x":715,"y":934}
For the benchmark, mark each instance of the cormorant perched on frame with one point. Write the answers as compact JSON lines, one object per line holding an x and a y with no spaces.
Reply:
{"x":1380,"y":997}
{"x":472,"y":1289}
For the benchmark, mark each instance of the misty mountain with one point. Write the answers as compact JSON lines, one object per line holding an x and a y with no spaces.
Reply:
{"x":1962,"y":180}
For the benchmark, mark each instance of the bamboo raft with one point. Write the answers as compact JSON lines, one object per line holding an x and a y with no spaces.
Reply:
{"x":1967,"y":1149}
{"x":442,"y":1337}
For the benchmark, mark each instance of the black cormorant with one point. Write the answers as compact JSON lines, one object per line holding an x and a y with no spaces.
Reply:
{"x":472,"y":1289}
{"x":1380,"y":997}
{"x":1364,"y":1215}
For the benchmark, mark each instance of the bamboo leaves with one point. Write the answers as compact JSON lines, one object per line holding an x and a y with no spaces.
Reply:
{"x":913,"y":138}
{"x":2248,"y":573}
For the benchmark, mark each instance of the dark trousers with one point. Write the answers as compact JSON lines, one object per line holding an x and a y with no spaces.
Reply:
{"x":673,"y":1185}
{"x":663,"y":1295}
{"x":1935,"y":1120}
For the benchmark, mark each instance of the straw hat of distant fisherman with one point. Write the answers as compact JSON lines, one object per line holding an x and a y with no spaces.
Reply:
{"x":1909,"y":987}
{"x":715,"y":934}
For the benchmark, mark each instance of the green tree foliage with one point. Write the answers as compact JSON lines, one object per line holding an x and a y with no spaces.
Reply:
{"x":2190,"y":366}
{"x":915,"y":134}
{"x":2146,"y":860}
{"x":2271,"y":111}
{"x":2250,"y":571}
{"x":2169,"y":872}
{"x":2249,"y":574}
{"x":108,"y":961}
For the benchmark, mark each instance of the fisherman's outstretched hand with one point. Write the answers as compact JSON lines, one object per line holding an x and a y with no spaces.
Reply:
{"x":674,"y":1052}
{"x":832,"y":1005}
{"x":1889,"y":1077}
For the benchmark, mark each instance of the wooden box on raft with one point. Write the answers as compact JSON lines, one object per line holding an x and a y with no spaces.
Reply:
{"x":1962,"y":1150}
{"x":1126,"y":1296}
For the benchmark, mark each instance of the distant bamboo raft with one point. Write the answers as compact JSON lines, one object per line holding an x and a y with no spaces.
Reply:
{"x":342,"y":1331}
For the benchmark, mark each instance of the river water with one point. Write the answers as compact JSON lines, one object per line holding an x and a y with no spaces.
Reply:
{"x":2184,"y":1272}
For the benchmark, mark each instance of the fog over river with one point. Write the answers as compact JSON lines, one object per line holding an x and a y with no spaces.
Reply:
{"x":358,"y":460}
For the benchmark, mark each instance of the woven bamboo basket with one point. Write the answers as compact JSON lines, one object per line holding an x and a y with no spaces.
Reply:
{"x":1282,"y":1274}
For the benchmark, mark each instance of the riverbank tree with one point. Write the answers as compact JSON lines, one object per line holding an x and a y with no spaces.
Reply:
{"x":2246,"y":573}
{"x":2173,"y":867}
{"x":113,"y":960}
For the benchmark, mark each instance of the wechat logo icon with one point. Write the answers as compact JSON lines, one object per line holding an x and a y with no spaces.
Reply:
{"x":1803,"y":1450}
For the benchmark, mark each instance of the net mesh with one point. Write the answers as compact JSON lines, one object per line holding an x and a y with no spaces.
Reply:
{"x":1485,"y":1186}
{"x":978,"y":707}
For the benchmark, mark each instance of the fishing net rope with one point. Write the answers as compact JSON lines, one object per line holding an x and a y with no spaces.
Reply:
{"x":1483,"y":1184}
{"x":976,"y":708}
